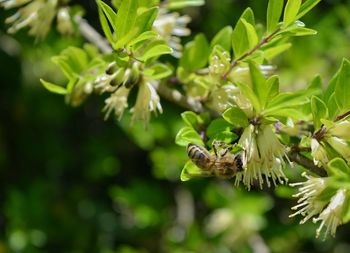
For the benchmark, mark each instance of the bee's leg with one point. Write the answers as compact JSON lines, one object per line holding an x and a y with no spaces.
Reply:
{"x":224,"y":148}
{"x":215,"y":146}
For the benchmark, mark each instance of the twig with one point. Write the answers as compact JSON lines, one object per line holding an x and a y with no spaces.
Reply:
{"x":250,"y":52}
{"x":176,"y":97}
{"x":340,"y":117}
{"x":307,"y":163}
{"x":91,"y":35}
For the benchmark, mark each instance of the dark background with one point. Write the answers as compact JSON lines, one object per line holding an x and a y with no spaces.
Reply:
{"x":72,"y":182}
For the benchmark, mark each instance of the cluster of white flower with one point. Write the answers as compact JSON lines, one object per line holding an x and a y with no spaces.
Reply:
{"x":324,"y":196}
{"x":170,"y":26}
{"x":262,"y":156}
{"x":317,"y":197}
{"x":334,"y":135}
{"x":147,"y":100}
{"x":38,"y":16}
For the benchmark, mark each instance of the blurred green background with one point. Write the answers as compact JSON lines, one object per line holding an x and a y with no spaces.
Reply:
{"x":72,"y":182}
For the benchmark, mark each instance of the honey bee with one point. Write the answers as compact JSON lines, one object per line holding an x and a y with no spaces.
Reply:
{"x":222,"y":163}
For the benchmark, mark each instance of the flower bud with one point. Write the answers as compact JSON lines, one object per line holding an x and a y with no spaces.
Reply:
{"x":147,"y":101}
{"x":64,"y":22}
{"x":118,"y":102}
{"x":340,"y":129}
{"x":331,"y":216}
{"x":318,"y":153}
{"x":8,"y":4}
{"x":340,"y":145}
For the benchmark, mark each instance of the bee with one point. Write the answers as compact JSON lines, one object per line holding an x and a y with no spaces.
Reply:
{"x":222,"y":163}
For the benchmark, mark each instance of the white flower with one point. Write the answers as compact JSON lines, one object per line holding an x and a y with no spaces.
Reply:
{"x":339,"y":129}
{"x":339,"y":145}
{"x":147,"y":101}
{"x":103,"y":82}
{"x":262,"y":156}
{"x":118,"y":101}
{"x":309,"y":203}
{"x":8,"y":4}
{"x":318,"y":153}
{"x":171,"y":26}
{"x":318,"y":197}
{"x":244,"y":104}
{"x":331,"y":216}
{"x":38,"y":15}
{"x":64,"y":21}
{"x":219,"y":64}
{"x":221,"y":98}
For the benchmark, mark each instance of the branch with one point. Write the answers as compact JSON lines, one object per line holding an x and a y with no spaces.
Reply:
{"x":307,"y":163}
{"x":258,"y":46}
{"x":343,"y":116}
{"x":91,"y":35}
{"x":176,"y":97}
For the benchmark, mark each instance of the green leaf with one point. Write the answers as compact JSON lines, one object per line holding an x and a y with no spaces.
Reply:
{"x":272,"y":52}
{"x":143,"y":23}
{"x":223,"y":38}
{"x":110,"y":14}
{"x":65,"y":67}
{"x":148,"y":3}
{"x":342,"y":88}
{"x":258,"y":83}
{"x":306,"y":7}
{"x":316,"y":84}
{"x":331,"y":86}
{"x":155,"y":51}
{"x":104,"y":23}
{"x":299,"y":31}
{"x":218,"y":125}
{"x":143,"y":37}
{"x":191,"y":119}
{"x":319,"y":111}
{"x":54,"y":88}
{"x":72,"y":61}
{"x":179,"y":4}
{"x":157,"y":71}
{"x":294,"y":113}
{"x":225,"y":136}
{"x":274,"y":12}
{"x":290,"y":12}
{"x":188,"y":135}
{"x":249,"y":93}
{"x":71,"y":84}
{"x":338,"y":167}
{"x":126,"y":17}
{"x":240,"y":42}
{"x":251,"y":33}
{"x":236,"y":117}
{"x":145,"y":20}
{"x":287,"y":99}
{"x":290,"y":99}
{"x":272,"y":85}
{"x":190,"y":170}
{"x":195,"y":55}
{"x":333,"y":109}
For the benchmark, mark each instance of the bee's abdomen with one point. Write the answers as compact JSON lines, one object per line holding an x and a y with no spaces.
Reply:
{"x":199,"y":156}
{"x":239,"y":163}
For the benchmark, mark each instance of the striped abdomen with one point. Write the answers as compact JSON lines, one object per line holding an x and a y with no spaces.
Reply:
{"x":200,"y":156}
